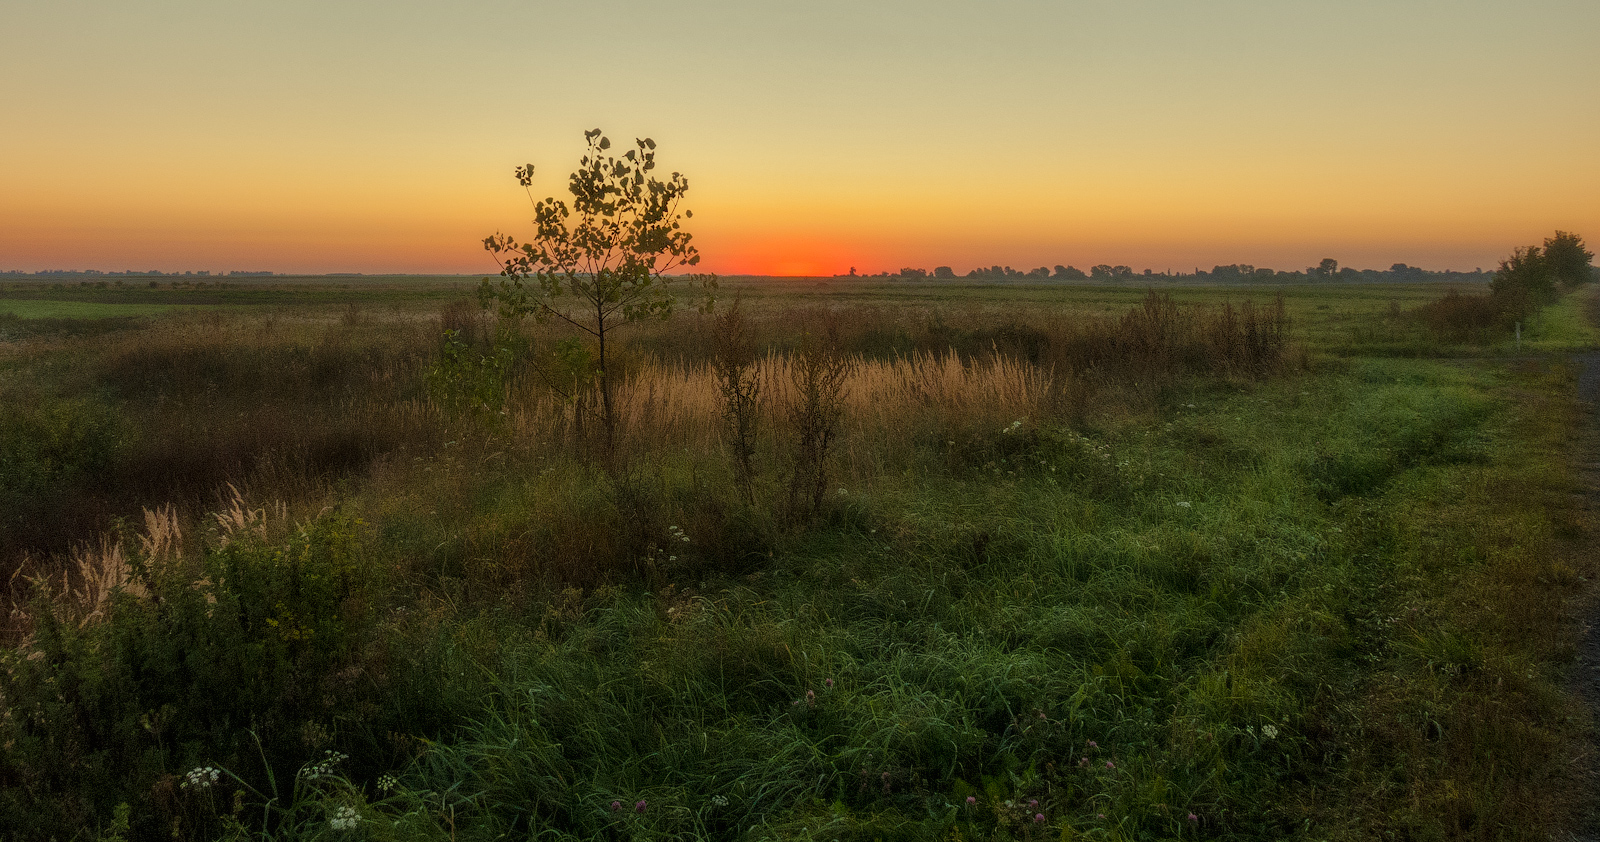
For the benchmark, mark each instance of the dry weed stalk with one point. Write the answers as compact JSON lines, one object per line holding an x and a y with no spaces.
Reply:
{"x":739,"y":386}
{"x":817,"y":376}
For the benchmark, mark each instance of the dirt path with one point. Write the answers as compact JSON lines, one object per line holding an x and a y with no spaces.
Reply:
{"x":1585,"y":679}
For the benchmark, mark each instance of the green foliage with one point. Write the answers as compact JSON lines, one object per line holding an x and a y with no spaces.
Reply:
{"x":1530,"y":279}
{"x":1524,"y":282}
{"x":46,"y":443}
{"x":259,"y":643}
{"x":49,"y":449}
{"x":464,"y":379}
{"x":610,"y":252}
{"x":1227,"y":598}
{"x":1568,"y":259}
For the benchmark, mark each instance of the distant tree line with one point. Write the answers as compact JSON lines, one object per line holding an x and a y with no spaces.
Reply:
{"x":148,"y":273}
{"x":1328,"y":270}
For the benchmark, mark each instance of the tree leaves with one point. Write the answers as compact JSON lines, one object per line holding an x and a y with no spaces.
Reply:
{"x":604,"y":259}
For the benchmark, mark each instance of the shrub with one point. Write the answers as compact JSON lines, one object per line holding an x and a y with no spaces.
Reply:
{"x":251,"y":659}
{"x":51,"y":450}
{"x":1459,"y":318}
{"x":1524,"y":282}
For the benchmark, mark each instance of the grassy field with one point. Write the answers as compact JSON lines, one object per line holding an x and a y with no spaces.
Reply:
{"x":1074,"y":562}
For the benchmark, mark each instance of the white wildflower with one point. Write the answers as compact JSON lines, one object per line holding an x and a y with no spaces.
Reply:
{"x":200,"y":777}
{"x":345,"y":818}
{"x":323,"y":768}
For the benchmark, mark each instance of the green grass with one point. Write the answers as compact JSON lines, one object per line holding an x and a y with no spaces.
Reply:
{"x":1325,"y":603}
{"x":48,"y":309}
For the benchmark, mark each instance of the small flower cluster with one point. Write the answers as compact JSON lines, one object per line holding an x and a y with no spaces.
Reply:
{"x":639,"y":806}
{"x":809,"y":700}
{"x":345,"y":818}
{"x":1015,"y":426}
{"x":323,"y":768}
{"x":1019,"y":811}
{"x":719,"y":800}
{"x":1089,"y":447}
{"x":1090,"y":747}
{"x":676,"y":534}
{"x":388,"y":783}
{"x":200,"y":777}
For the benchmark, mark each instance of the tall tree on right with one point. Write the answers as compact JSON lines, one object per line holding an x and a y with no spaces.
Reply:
{"x":1568,"y":260}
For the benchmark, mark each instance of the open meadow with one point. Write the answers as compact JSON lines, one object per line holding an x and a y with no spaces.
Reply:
{"x":847,"y":559}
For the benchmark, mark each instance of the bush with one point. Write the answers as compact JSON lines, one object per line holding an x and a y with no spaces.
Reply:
{"x":252,"y":659}
{"x":1524,"y":282}
{"x":50,"y":449}
{"x":1459,"y":318}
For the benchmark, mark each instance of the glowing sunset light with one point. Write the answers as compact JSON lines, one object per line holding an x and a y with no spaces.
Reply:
{"x":303,"y":137}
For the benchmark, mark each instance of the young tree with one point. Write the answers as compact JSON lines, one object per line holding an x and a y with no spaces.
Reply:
{"x":602,"y":261}
{"x":1568,"y":259}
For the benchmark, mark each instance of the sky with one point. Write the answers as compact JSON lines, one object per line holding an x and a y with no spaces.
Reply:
{"x":372,"y":137}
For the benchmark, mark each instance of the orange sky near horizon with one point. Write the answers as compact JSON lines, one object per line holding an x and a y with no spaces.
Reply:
{"x":357,"y":137}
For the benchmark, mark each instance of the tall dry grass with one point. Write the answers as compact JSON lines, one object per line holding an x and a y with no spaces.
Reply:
{"x":671,"y":405}
{"x":288,"y":405}
{"x":1049,"y":369}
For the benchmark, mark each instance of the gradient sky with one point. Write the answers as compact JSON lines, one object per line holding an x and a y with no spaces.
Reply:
{"x":367,"y":137}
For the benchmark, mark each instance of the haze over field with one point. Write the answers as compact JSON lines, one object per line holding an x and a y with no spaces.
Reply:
{"x":310,"y":137}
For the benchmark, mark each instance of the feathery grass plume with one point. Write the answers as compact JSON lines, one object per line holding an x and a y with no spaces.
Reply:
{"x":240,"y":520}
